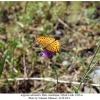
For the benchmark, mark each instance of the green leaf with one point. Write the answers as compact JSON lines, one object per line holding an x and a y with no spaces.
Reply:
{"x":90,"y":12}
{"x":75,"y":89}
{"x":41,"y":4}
{"x":1,"y":45}
{"x":71,"y":54}
{"x":80,"y":59}
{"x":87,"y":78}
{"x":17,"y":43}
{"x":98,"y":40}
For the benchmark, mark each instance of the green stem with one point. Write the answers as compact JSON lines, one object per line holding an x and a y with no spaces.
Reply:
{"x":54,"y":69}
{"x":26,"y":6}
{"x":88,"y":69}
{"x":56,"y":77}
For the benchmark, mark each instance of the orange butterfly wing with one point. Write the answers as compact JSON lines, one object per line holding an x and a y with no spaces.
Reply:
{"x":49,"y":43}
{"x":44,"y":41}
{"x":54,"y":46}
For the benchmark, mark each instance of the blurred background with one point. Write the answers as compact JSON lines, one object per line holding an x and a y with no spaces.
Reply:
{"x":75,"y":24}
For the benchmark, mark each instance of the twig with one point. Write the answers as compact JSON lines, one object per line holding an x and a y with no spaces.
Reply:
{"x":46,"y":79}
{"x":25,"y":74}
{"x":66,"y":25}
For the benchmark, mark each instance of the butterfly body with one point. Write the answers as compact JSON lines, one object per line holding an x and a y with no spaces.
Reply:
{"x":49,"y":43}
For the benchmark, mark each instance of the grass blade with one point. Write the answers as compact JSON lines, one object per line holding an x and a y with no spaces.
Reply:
{"x":2,"y":63}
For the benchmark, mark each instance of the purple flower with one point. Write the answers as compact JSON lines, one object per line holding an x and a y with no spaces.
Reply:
{"x":47,"y":54}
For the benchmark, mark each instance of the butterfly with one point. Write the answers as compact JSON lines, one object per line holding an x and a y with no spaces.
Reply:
{"x":49,"y":43}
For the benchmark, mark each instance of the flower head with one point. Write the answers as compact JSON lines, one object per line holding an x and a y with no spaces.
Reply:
{"x":47,"y":54}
